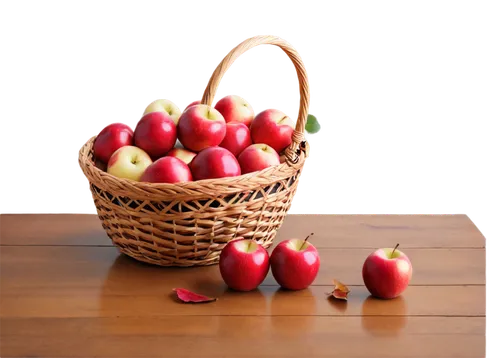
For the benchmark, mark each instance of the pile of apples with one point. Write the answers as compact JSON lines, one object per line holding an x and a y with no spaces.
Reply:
{"x":224,"y":141}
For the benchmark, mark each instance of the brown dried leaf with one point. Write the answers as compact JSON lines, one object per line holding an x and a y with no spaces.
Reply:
{"x":191,"y":297}
{"x":340,"y":291}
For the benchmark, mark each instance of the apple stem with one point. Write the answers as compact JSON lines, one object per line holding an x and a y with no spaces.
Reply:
{"x":392,"y":254}
{"x":305,"y":240}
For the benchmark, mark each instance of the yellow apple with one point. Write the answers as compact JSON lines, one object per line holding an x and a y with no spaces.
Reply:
{"x":164,"y":105}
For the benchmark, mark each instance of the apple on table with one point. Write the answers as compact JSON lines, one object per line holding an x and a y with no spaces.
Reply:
{"x":295,"y":263}
{"x":155,"y":133}
{"x":272,"y":127}
{"x":111,"y":138}
{"x":387,"y":272}
{"x":235,"y":109}
{"x":200,"y":127}
{"x":164,"y":105}
{"x":258,"y":157}
{"x":243,"y":264}
{"x":129,"y":162}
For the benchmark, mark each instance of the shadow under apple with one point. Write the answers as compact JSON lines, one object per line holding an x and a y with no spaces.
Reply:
{"x":382,"y":317}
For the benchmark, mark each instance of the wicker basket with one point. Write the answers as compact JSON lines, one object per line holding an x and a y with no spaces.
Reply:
{"x":188,"y":224}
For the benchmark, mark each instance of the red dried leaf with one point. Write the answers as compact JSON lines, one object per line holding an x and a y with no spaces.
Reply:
{"x":340,"y":291}
{"x":191,"y":297}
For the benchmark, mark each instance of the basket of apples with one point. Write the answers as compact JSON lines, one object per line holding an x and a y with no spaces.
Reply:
{"x":234,"y":174}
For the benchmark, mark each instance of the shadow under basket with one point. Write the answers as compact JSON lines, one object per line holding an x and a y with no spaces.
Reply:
{"x":188,"y":224}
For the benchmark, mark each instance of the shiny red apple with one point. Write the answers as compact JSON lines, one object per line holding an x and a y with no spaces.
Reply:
{"x":387,"y":272}
{"x":214,"y":162}
{"x":200,"y":127}
{"x":155,"y":133}
{"x":295,"y":263}
{"x":257,"y":157}
{"x":110,"y":139}
{"x":167,"y":170}
{"x":272,"y":127}
{"x":237,"y":138}
{"x":243,"y":264}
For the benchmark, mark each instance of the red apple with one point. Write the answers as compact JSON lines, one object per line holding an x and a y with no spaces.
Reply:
{"x":258,"y":157}
{"x":111,"y":138}
{"x":214,"y":162}
{"x":164,"y":105}
{"x":156,"y":133}
{"x":237,"y":138}
{"x":272,"y":127}
{"x":387,"y":272}
{"x":128,"y":162}
{"x":295,"y":263}
{"x":200,"y":127}
{"x":167,"y":170}
{"x":243,"y":264}
{"x":235,"y":109}
{"x":183,"y":154}
{"x":192,"y":104}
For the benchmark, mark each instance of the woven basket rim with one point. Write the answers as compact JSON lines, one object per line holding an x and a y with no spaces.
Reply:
{"x":259,"y":178}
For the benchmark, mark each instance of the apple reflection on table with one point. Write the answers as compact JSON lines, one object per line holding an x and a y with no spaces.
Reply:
{"x":384,"y":317}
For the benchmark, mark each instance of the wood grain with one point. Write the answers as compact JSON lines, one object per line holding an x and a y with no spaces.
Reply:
{"x":65,"y":265}
{"x":336,"y":231}
{"x":114,"y":300}
{"x":66,"y":292}
{"x":230,"y":336}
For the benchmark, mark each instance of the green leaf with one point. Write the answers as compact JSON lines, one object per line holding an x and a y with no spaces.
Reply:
{"x":312,"y":124}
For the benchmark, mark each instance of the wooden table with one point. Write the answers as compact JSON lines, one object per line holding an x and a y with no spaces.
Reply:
{"x":67,"y":292}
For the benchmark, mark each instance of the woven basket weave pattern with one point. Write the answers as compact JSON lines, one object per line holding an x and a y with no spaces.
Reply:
{"x":188,"y":224}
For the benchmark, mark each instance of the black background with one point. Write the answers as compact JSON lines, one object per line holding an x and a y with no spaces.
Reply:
{"x":405,"y":126}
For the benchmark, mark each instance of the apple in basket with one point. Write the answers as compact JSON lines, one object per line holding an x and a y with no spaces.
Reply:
{"x":192,"y":104}
{"x":183,"y":154}
{"x":110,"y":139}
{"x":164,"y":105}
{"x":243,"y":264}
{"x":167,"y":170}
{"x":128,"y":162}
{"x":272,"y":127}
{"x":200,"y":127}
{"x":235,"y":109}
{"x":258,"y":157}
{"x":237,"y":138}
{"x":155,"y":133}
{"x":214,"y":162}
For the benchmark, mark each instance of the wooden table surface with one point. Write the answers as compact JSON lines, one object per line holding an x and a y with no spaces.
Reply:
{"x":67,"y":292}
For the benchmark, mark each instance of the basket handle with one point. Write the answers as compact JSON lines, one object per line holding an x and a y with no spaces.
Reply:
{"x":293,"y":151}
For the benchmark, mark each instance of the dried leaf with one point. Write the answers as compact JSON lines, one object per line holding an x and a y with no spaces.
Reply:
{"x":191,"y":297}
{"x":340,"y":291}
